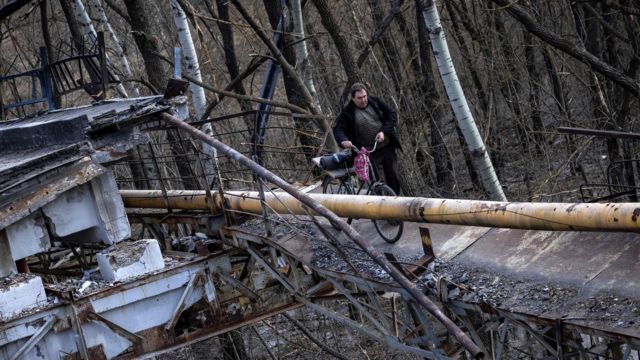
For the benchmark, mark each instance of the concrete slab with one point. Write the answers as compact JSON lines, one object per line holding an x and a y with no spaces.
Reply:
{"x":129,"y":260}
{"x":594,"y":262}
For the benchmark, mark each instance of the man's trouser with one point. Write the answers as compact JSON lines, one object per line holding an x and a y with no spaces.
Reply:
{"x":386,"y":164}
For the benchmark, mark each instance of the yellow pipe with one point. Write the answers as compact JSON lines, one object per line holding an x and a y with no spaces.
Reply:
{"x":532,"y":216}
{"x":176,"y":199}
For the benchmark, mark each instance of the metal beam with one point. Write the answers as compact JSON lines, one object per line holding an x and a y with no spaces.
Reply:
{"x":359,"y":306}
{"x":237,"y":284}
{"x":134,"y":338}
{"x":180,"y":306}
{"x":600,"y":133}
{"x":35,"y":338}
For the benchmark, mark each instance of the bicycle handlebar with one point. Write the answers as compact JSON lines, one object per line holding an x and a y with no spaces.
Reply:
{"x":375,"y":144}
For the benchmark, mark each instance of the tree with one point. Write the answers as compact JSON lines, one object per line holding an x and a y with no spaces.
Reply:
{"x":481,"y":160}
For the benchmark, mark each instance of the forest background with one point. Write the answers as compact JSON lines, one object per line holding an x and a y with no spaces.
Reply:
{"x":526,"y":67}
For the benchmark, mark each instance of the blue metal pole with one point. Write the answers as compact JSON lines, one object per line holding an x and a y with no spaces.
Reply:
{"x":269,"y":82}
{"x":45,"y":79}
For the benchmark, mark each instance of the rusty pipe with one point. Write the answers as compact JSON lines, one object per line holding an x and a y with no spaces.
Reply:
{"x":530,"y":216}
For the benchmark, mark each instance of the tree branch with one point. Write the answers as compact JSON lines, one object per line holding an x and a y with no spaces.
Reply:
{"x":286,"y":67}
{"x":612,"y":30}
{"x":625,"y":9}
{"x":233,"y":84}
{"x":577,"y":52}
{"x":384,"y":24}
{"x":283,"y":105}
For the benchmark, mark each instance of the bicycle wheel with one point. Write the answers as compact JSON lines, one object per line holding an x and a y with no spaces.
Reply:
{"x":331,"y":185}
{"x":389,"y":230}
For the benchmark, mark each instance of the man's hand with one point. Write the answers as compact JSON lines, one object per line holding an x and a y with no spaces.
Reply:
{"x":380,"y":137}
{"x":346,"y":144}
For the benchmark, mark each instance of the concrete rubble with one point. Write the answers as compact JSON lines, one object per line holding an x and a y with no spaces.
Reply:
{"x":131,"y":259}
{"x":20,"y":293}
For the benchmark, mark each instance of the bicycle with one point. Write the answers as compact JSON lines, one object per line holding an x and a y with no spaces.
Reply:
{"x":344,"y":181}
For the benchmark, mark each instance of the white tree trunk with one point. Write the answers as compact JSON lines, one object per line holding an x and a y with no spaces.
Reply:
{"x":197,"y":92}
{"x":302,"y":54}
{"x":90,"y":32}
{"x":479,"y":155}
{"x":117,"y":48}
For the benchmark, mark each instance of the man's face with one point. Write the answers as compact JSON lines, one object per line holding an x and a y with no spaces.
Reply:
{"x":360,"y":99}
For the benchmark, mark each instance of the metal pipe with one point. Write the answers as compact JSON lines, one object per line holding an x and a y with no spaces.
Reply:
{"x":530,"y":216}
{"x":316,"y":207}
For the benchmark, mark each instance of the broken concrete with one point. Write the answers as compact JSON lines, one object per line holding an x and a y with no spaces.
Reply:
{"x":91,"y":212}
{"x":28,"y":236}
{"x":72,"y":212}
{"x":129,"y":260}
{"x":7,"y":265}
{"x":112,"y":214}
{"x":20,"y":293}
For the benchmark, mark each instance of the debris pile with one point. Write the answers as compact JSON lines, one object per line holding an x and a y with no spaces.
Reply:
{"x":543,"y":299}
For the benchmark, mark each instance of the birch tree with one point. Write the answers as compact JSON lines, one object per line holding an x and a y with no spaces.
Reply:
{"x":480,"y":157}
{"x":302,"y":54}
{"x":87,"y":26}
{"x":115,"y":42}
{"x":197,"y":92}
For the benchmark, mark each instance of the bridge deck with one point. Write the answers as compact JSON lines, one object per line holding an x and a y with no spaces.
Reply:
{"x":583,"y":279}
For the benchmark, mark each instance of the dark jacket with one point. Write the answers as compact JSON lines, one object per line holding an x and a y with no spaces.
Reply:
{"x":345,"y":128}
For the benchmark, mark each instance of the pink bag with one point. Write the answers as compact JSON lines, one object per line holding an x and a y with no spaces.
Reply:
{"x":361,"y":165}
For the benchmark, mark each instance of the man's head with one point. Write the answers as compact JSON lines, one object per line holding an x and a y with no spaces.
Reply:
{"x":359,"y":95}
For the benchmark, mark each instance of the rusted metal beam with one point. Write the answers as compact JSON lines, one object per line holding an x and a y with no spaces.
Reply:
{"x":338,"y":286}
{"x":600,"y":133}
{"x":318,"y":208}
{"x":238,"y":285}
{"x":180,"y":307}
{"x":134,"y":338}
{"x":529,"y":216}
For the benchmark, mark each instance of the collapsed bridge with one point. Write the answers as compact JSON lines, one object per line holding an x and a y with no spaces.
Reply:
{"x":552,"y":280}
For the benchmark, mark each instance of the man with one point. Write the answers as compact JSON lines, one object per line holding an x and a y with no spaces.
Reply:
{"x":364,"y":121}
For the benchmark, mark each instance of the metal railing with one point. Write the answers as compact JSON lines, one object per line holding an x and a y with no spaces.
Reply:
{"x":611,"y":191}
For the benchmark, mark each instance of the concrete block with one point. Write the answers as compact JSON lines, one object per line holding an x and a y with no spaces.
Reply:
{"x":73,"y":211}
{"x":28,"y":236}
{"x":113,"y":216}
{"x":92,"y":212}
{"x":7,"y":264}
{"x":130,"y":259}
{"x":20,"y":292}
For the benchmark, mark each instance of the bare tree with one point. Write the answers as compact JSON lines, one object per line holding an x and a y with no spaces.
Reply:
{"x":481,"y":160}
